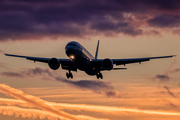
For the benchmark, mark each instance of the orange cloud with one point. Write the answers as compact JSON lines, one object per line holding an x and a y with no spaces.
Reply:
{"x":92,"y":108}
{"x":34,"y":113}
{"x":27,"y":113}
{"x":39,"y":103}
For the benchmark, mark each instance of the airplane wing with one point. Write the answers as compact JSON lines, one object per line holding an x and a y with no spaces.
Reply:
{"x":97,"y":63}
{"x":135,"y":60}
{"x":39,"y":59}
{"x":65,"y":63}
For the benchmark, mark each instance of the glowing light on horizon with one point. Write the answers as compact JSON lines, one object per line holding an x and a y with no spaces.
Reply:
{"x":42,"y":104}
{"x":34,"y":113}
{"x":92,"y":108}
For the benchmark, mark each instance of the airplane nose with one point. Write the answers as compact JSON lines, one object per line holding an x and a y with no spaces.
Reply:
{"x":70,"y":50}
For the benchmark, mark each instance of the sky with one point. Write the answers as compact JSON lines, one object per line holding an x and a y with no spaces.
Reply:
{"x":125,"y":28}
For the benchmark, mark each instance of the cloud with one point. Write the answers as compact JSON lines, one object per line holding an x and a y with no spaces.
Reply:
{"x":173,"y":105}
{"x":169,"y":103}
{"x":176,"y":31}
{"x":2,"y":64}
{"x":39,"y":103}
{"x":162,"y":78}
{"x":165,"y":20}
{"x":34,"y":114}
{"x":169,"y":92}
{"x":166,"y":76}
{"x":28,"y":73}
{"x":118,"y":27}
{"x":27,"y":113}
{"x":38,"y":20}
{"x":11,"y":74}
{"x":152,"y":32}
{"x":1,"y":51}
{"x":175,"y":70}
{"x":37,"y":71}
{"x":96,"y":86}
{"x":91,"y":108}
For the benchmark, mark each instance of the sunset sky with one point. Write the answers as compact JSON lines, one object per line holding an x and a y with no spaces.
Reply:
{"x":125,"y":28}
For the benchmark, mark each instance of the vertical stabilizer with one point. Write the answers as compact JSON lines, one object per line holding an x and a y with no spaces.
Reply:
{"x":97,"y":50}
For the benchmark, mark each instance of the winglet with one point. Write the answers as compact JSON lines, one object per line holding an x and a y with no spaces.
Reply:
{"x":97,"y":50}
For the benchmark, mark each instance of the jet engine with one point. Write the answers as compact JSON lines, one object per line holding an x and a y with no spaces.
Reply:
{"x":54,"y":63}
{"x":107,"y":64}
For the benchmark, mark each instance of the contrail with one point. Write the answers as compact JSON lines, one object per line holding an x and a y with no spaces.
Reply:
{"x":111,"y":110}
{"x":92,"y":108}
{"x":39,"y":103}
{"x":27,"y":113}
{"x":34,"y":113}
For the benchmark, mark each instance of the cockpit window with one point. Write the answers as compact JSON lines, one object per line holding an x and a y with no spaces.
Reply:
{"x":72,"y":44}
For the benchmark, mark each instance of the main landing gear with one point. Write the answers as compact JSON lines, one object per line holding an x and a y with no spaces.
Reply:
{"x":99,"y":75}
{"x":69,"y":75}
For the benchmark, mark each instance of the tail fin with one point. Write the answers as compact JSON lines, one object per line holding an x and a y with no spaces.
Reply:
{"x":97,"y":50}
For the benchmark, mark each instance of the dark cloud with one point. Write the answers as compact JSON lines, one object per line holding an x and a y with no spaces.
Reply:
{"x":175,"y":70}
{"x":96,"y":86}
{"x":170,"y":103}
{"x":169,"y":92}
{"x":178,"y":85}
{"x":153,"y":32}
{"x":173,"y":105}
{"x":37,"y":71}
{"x":28,"y":73}
{"x":27,"y":19}
{"x":165,"y":20}
{"x":11,"y":74}
{"x":176,"y":31}
{"x":119,"y":27}
{"x":162,"y":78}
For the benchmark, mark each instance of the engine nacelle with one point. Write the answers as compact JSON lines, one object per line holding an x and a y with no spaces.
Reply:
{"x":107,"y":64}
{"x":54,"y":63}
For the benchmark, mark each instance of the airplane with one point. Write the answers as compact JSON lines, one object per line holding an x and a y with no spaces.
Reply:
{"x":81,"y":59}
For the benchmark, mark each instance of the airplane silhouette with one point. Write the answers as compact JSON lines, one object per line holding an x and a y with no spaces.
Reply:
{"x":81,"y":59}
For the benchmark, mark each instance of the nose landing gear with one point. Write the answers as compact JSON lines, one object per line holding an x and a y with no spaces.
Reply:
{"x":99,"y":75}
{"x":69,"y":75}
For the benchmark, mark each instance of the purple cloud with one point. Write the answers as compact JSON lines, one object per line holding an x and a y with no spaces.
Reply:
{"x":162,"y":78}
{"x":96,"y":86}
{"x":175,"y":70}
{"x":29,"y":19}
{"x":11,"y":74}
{"x":169,"y":92}
{"x":165,"y":20}
{"x":28,"y":73}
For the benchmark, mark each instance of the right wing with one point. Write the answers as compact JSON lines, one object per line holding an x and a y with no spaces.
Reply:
{"x":39,"y":59}
{"x":65,"y":63}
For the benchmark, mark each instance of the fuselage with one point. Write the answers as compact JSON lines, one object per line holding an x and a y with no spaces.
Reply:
{"x":80,"y":57}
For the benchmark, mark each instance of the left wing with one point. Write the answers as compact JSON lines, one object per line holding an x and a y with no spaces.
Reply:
{"x":135,"y":60}
{"x":97,"y":63}
{"x":65,"y":63}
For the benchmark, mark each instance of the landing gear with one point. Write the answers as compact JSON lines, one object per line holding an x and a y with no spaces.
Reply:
{"x":99,"y":75}
{"x":69,"y":75}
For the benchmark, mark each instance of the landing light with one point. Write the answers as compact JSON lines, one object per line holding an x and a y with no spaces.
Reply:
{"x":72,"y":56}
